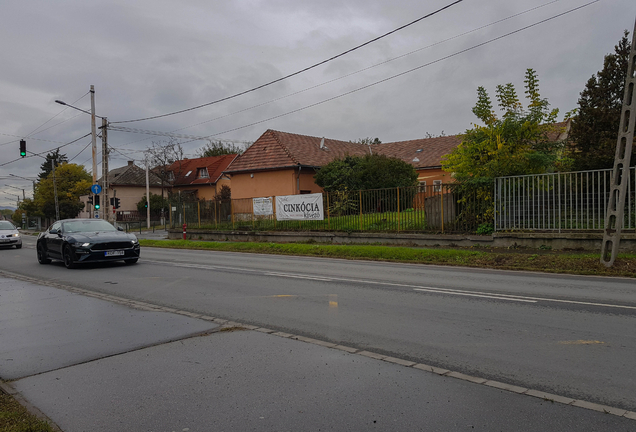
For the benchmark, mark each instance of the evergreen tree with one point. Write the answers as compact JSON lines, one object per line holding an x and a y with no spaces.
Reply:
{"x":55,"y":157}
{"x":595,"y":128}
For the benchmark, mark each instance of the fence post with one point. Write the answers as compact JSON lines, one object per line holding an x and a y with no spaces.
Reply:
{"x":360,"y":205}
{"x":216,"y":214}
{"x":328,"y":218}
{"x":559,"y":179}
{"x":183,"y":211}
{"x":232,"y":211}
{"x":199,"y":212}
{"x":442,"y":202}
{"x":398,"y":202}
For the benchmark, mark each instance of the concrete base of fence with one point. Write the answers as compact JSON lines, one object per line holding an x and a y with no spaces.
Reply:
{"x":556,"y":241}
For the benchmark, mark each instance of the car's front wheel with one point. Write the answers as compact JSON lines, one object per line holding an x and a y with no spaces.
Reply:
{"x":69,"y":261}
{"x":42,"y":258}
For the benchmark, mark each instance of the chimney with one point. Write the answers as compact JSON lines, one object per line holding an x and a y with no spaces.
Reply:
{"x":322,"y":143}
{"x":131,"y":163}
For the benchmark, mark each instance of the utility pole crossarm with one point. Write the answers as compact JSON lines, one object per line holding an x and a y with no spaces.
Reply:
{"x":615,"y":214}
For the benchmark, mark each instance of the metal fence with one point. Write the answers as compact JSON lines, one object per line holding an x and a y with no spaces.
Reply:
{"x":434,"y":208}
{"x":572,"y":201}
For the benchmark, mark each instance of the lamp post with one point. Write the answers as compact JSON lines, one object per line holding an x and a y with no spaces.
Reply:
{"x":93,"y":129}
{"x":104,"y":194}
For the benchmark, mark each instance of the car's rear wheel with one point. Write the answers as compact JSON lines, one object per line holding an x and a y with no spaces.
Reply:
{"x":131,"y":261}
{"x":69,"y":262}
{"x":42,"y":258}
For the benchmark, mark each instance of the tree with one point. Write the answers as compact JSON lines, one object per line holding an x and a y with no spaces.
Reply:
{"x":157,"y":202}
{"x":595,"y":127}
{"x":162,"y":154}
{"x":224,"y":194}
{"x":55,"y":157}
{"x":517,"y":143}
{"x":71,"y":180}
{"x":367,"y":172}
{"x":219,"y":148}
{"x":368,"y":141}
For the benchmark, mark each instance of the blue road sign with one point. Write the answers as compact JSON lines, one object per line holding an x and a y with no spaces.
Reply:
{"x":96,"y":189}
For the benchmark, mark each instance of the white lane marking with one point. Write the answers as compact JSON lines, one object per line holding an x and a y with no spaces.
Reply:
{"x":473,"y":295}
{"x":414,"y":287}
{"x":287,"y":275}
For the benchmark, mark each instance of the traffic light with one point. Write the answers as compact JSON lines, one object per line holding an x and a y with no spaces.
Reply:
{"x":146,"y":204}
{"x":96,"y":202}
{"x":116,"y":205}
{"x":22,"y":148}
{"x":90,"y":200}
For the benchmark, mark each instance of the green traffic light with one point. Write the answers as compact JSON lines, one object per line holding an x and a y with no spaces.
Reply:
{"x":23,"y":154}
{"x":96,"y":206}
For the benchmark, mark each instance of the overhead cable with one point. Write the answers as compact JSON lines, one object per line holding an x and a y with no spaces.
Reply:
{"x":297,"y":72}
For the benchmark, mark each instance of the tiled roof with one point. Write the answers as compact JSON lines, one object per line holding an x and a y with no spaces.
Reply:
{"x":421,"y":153}
{"x":275,"y":150}
{"x":131,"y":175}
{"x":186,"y":171}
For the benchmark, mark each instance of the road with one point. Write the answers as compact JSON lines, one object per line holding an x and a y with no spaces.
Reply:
{"x":567,"y":335}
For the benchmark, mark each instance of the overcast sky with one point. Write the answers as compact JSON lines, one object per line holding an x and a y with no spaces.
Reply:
{"x":147,"y":58}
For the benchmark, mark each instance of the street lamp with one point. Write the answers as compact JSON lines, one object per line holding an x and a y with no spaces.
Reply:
{"x":94,"y":148}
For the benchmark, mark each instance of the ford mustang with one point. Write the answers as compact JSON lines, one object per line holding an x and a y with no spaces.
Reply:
{"x":76,"y":241}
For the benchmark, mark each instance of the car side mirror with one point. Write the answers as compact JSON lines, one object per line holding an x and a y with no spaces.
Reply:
{"x":119,"y":228}
{"x":53,"y":231}
{"x":18,"y":228}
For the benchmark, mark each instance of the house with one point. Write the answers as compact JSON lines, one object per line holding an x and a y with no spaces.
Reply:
{"x":281,"y":163}
{"x":200,"y":178}
{"x":127,"y":183}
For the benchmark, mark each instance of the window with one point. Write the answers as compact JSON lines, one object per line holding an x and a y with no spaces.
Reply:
{"x":170,"y":176}
{"x":422,"y":186}
{"x":437,"y":185}
{"x":202,"y":173}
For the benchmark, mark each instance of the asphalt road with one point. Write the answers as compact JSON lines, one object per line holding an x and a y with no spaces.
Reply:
{"x":567,"y":335}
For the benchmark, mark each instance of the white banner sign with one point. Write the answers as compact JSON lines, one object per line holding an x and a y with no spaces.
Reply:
{"x":263,"y":206}
{"x":299,"y":207}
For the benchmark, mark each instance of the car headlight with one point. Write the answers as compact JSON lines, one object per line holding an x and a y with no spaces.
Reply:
{"x":135,"y":242}
{"x":84,"y":244}
{"x":15,"y":235}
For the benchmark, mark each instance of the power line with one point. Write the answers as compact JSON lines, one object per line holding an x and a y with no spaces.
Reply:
{"x":405,"y":72}
{"x":46,"y":151}
{"x":29,"y":135}
{"x":297,"y":72}
{"x":195,"y":138}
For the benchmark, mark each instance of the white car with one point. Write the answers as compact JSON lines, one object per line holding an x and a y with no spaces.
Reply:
{"x":9,"y":235}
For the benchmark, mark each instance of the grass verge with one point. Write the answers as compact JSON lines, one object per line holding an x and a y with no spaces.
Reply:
{"x":15,"y":418}
{"x":552,"y":262}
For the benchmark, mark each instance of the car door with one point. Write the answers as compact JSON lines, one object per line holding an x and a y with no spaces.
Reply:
{"x":54,"y":240}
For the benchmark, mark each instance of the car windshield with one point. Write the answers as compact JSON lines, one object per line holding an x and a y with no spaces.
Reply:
{"x":6,"y":225}
{"x":77,"y":226}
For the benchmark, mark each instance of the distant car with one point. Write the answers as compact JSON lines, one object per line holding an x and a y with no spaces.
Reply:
{"x":9,"y":235}
{"x":76,"y":241}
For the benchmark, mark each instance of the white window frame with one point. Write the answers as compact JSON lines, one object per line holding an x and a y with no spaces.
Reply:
{"x":437,"y":185}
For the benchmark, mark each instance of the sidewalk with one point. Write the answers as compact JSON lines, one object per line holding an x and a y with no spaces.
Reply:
{"x":99,"y":363}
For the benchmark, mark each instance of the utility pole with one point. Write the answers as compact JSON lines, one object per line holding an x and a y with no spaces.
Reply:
{"x":94,"y":134}
{"x":620,"y":175}
{"x":147,"y":194}
{"x":104,"y":128}
{"x":57,"y":207}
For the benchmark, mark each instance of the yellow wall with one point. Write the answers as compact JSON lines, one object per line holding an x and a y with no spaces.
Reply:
{"x":263,"y":184}
{"x":307,"y":182}
{"x":430,"y":175}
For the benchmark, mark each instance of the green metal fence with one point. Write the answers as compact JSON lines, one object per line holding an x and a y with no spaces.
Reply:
{"x":444,"y":208}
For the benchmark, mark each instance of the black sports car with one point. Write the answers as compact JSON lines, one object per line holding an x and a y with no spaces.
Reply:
{"x":77,"y":241}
